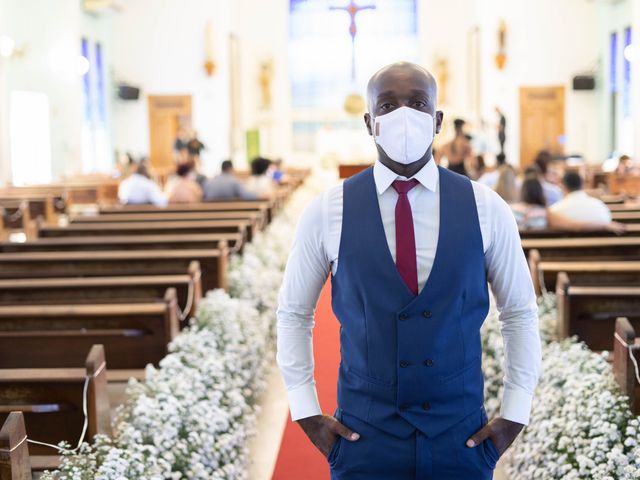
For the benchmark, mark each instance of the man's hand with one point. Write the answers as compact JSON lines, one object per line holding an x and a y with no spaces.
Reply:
{"x":324,"y":430}
{"x":501,"y":431}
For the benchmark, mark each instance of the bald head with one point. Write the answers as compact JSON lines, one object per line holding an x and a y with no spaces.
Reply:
{"x":401,"y":79}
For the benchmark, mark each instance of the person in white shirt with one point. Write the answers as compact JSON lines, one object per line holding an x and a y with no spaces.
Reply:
{"x":261,"y":183}
{"x":578,"y":205}
{"x":381,"y":236}
{"x":138,"y":188}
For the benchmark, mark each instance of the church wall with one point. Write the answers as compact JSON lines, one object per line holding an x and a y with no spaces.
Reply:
{"x":47,"y":32}
{"x":162,"y":51}
{"x":263,"y":32}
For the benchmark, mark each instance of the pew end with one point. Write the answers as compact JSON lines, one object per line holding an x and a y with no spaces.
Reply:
{"x":14,"y":452}
{"x":172,"y":324}
{"x":623,"y":365}
{"x":562,"y":299}
{"x":98,"y":406}
{"x":534,"y":270}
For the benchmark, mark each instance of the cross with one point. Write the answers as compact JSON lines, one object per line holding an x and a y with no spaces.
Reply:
{"x":352,"y":9}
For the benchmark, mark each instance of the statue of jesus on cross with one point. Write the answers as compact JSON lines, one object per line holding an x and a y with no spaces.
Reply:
{"x":352,"y":9}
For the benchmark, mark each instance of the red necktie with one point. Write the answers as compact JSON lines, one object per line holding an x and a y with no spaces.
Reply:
{"x":405,"y":238}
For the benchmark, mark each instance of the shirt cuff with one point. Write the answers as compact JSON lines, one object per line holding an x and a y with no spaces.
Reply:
{"x":516,"y":405}
{"x":303,"y":402}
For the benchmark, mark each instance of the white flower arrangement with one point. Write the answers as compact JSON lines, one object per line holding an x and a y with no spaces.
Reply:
{"x":581,"y":426}
{"x":192,"y":416}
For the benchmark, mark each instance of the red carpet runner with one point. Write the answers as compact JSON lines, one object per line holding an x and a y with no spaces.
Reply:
{"x":298,"y":458}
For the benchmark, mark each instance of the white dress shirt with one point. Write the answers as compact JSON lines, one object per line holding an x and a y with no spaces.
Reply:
{"x":314,"y":254}
{"x":137,"y":189}
{"x":583,"y":208}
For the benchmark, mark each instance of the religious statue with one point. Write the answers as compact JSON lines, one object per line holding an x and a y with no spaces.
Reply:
{"x":442,"y":77}
{"x":354,"y":103}
{"x":266,"y":77}
{"x":501,"y":56}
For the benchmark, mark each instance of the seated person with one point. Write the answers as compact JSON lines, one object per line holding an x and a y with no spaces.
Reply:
{"x":490,"y":179}
{"x":552,"y":192}
{"x":578,"y":205}
{"x":183,"y":188}
{"x":138,"y":188}
{"x":226,"y":186}
{"x":532,"y":213}
{"x":261,"y":183}
{"x":278,"y":174}
{"x":507,"y":184}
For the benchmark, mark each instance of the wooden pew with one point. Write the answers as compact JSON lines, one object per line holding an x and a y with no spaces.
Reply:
{"x":263,"y":207}
{"x":133,"y":334}
{"x":14,"y":451}
{"x":626,"y":216}
{"x":57,"y":291}
{"x":633,"y":229}
{"x":590,"y":312}
{"x":51,"y":400}
{"x":127,"y":242}
{"x":617,"y":273}
{"x":624,"y":207}
{"x":241,"y":227}
{"x":625,"y":362}
{"x":213,"y":263}
{"x":585,"y":248}
{"x":256,"y":220}
{"x":17,"y":214}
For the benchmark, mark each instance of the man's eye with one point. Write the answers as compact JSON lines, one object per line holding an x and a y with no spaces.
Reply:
{"x":419,"y":104}
{"x":386,"y":106}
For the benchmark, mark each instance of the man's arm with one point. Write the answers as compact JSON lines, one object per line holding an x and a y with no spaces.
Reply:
{"x":512,"y":288}
{"x":305,"y":274}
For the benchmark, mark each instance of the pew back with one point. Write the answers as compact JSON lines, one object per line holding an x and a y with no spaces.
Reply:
{"x":51,"y":400}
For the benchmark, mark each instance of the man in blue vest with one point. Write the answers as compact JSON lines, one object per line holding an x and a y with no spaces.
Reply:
{"x":410,"y":248}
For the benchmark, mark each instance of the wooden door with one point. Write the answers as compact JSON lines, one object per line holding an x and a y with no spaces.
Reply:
{"x":167,"y":113}
{"x":541,"y":122}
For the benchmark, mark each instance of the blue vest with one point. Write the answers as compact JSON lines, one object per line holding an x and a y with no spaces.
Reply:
{"x":410,"y":362}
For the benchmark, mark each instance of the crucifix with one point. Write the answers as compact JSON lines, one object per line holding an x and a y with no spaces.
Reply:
{"x":352,"y":9}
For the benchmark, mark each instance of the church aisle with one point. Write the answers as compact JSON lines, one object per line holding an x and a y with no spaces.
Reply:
{"x":298,"y":458}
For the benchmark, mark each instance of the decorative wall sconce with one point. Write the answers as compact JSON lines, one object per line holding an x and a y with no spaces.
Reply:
{"x":501,"y":56}
{"x":209,"y":62}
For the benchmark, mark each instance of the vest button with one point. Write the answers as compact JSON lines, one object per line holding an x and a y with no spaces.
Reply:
{"x":403,"y":316}
{"x":404,"y":363}
{"x":428,"y":362}
{"x":426,"y":314}
{"x":426,"y":406}
{"x":404,"y":407}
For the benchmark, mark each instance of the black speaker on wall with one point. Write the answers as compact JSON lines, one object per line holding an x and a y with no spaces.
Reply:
{"x":127,"y":92}
{"x":584,"y":82}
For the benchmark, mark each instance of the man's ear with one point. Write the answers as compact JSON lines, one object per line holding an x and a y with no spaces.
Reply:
{"x":439,"y":118}
{"x":367,"y":122}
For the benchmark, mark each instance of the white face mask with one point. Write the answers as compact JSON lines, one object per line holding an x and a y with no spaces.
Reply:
{"x":404,"y":134}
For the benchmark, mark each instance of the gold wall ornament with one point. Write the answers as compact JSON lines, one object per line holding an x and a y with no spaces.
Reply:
{"x":209,"y":51}
{"x":354,"y":104}
{"x":442,"y":78}
{"x":501,"y":56}
{"x":266,"y":79}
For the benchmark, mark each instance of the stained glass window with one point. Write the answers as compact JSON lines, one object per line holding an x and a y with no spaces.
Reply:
{"x":626,"y":74}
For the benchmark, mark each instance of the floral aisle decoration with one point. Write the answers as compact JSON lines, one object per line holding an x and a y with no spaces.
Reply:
{"x":581,"y":426}
{"x":191,"y":417}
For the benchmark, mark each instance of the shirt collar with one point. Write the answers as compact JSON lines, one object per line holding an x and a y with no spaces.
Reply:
{"x":428,"y":176}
